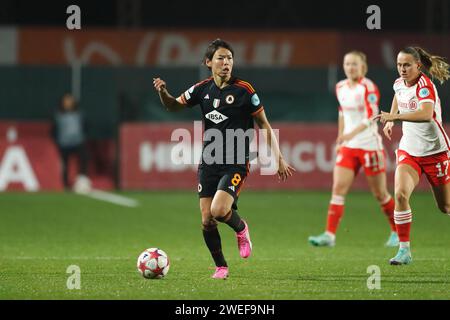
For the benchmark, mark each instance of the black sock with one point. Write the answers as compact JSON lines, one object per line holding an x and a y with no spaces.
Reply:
{"x":233,"y":220}
{"x":213,"y":242}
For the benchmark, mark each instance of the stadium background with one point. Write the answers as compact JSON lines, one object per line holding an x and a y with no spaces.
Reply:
{"x":291,"y":54}
{"x":291,"y":51}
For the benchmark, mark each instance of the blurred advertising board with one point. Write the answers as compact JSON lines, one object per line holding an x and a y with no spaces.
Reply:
{"x":167,"y":47}
{"x":148,"y":159}
{"x":29,"y":160}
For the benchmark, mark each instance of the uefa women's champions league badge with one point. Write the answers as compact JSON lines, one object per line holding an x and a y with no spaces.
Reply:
{"x":372,"y":98}
{"x":424,"y":92}
{"x":255,"y":100}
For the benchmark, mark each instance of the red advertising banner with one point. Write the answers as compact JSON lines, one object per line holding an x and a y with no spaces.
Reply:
{"x":147,"y":161}
{"x":166,"y":47}
{"x":29,"y":160}
{"x":173,"y":48}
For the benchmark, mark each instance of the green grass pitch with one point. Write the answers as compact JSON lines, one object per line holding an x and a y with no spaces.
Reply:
{"x":42,"y":234}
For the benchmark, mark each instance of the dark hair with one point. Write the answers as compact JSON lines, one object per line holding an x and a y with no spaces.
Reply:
{"x":61,"y":102}
{"x":433,"y":65}
{"x":213,"y":47}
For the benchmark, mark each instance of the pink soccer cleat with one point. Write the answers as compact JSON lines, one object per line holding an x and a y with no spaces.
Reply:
{"x":221,"y":273}
{"x":244,"y":243}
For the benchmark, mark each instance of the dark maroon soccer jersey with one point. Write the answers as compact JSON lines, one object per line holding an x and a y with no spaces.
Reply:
{"x":230,"y":111}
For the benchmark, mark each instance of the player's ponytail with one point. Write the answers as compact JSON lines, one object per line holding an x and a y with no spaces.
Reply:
{"x":435,"y":66}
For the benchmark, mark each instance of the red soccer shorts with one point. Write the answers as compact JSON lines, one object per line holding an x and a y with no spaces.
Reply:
{"x":434,"y":166}
{"x":373,"y":161}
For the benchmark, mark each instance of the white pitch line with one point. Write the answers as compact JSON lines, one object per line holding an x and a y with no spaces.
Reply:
{"x":75,"y":258}
{"x":111,"y":197}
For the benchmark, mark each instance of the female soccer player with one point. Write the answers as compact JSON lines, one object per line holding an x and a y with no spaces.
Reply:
{"x":227,"y":104}
{"x":424,"y":144}
{"x":358,"y":145}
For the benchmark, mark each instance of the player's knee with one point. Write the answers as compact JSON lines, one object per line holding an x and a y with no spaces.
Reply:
{"x":379,"y":195}
{"x":219,"y":210}
{"x":340,"y":189}
{"x":401,"y":197}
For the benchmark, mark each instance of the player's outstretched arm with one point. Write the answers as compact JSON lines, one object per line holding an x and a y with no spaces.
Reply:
{"x":284,"y":169}
{"x":167,"y":100}
{"x":423,"y":114}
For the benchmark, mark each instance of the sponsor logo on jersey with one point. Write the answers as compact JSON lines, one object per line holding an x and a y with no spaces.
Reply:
{"x":255,"y":100}
{"x":232,"y":188}
{"x":216,"y":103}
{"x":412,"y":105}
{"x":424,"y":92}
{"x":229,"y":99}
{"x":372,"y":98}
{"x":199,"y":187}
{"x":206,"y":97}
{"x":216,"y":117}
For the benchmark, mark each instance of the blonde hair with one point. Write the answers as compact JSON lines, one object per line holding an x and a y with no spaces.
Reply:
{"x":363,"y":57}
{"x":435,"y":66}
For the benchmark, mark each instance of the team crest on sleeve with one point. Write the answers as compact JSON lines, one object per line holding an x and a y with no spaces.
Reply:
{"x":229,"y":99}
{"x":255,"y":100}
{"x":372,"y":98}
{"x":424,"y":92}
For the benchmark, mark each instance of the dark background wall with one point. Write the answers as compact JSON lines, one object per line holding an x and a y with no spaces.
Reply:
{"x":399,"y":15}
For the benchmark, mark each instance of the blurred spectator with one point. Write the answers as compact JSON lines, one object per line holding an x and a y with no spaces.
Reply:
{"x":69,"y":134}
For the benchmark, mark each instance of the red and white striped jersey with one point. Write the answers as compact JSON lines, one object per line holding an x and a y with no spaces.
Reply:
{"x":357,"y":104}
{"x":420,"y":139}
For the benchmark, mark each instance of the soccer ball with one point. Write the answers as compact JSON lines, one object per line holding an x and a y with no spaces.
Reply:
{"x":153,"y":263}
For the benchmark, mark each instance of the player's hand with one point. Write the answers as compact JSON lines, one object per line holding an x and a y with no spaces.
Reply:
{"x":385,"y":117}
{"x":284,"y":170}
{"x":159,"y":84}
{"x":337,"y":147}
{"x":387,"y":130}
{"x":338,"y":143}
{"x":342,"y":138}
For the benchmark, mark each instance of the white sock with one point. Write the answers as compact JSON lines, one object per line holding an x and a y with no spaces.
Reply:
{"x":332,"y":235}
{"x":404,"y":244}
